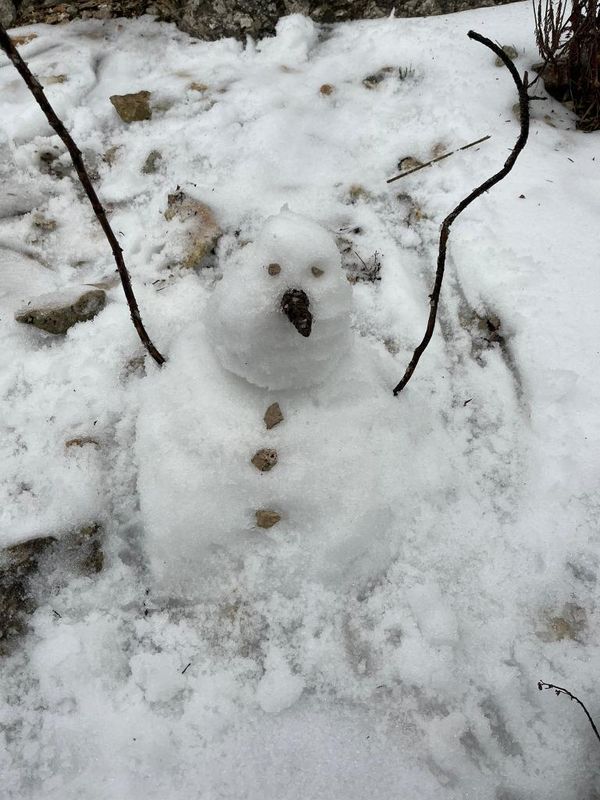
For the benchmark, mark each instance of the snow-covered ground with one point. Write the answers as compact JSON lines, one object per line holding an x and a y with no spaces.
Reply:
{"x":437,"y":552}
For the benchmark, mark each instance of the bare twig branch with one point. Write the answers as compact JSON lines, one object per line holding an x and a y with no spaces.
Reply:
{"x":36,"y":90}
{"x":445,"y":231}
{"x":439,"y":158}
{"x":558,"y":690}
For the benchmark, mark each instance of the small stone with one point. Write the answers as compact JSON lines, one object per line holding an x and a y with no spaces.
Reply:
{"x":58,"y":311}
{"x":371,"y":81}
{"x":80,"y":441}
{"x":44,"y":224}
{"x":357,"y":192}
{"x":273,"y":416}
{"x":265,"y":518}
{"x":151,"y":163}
{"x":132,"y":107}
{"x":571,"y":624}
{"x":317,"y":271}
{"x":110,"y":156}
{"x":265,"y":459}
{"x":50,"y":80}
{"x":204,"y":231}
{"x":273,"y":269}
{"x":327,"y":89}
{"x":85,"y":546}
{"x":510,"y":51}
{"x":198,"y":87}
{"x":408,"y":163}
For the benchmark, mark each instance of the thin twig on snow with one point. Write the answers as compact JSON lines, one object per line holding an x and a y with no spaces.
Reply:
{"x":558,"y":690}
{"x":439,"y":158}
{"x":434,"y":297}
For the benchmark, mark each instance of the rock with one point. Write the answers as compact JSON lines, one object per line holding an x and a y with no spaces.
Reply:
{"x":17,"y":564}
{"x":273,"y":269}
{"x":571,"y":624}
{"x":265,"y":518}
{"x":195,"y":86}
{"x":371,"y":81}
{"x":510,"y":51}
{"x":32,"y":570}
{"x":15,"y":606}
{"x":21,"y":41}
{"x":265,"y":459}
{"x":317,"y":271}
{"x":152,"y":161}
{"x":51,"y":80}
{"x":357,"y":192}
{"x":273,"y":416}
{"x":110,"y":156}
{"x":24,"y":556}
{"x":7,"y":13}
{"x":51,"y":163}
{"x":216,"y":19}
{"x":58,"y":311}
{"x":408,"y":162}
{"x":132,"y":107}
{"x":80,"y":441}
{"x":84,"y":547}
{"x":203,"y":230}
{"x":44,"y":223}
{"x":327,"y":89}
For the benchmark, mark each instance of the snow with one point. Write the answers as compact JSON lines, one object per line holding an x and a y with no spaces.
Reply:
{"x":250,"y":335}
{"x":437,"y":552}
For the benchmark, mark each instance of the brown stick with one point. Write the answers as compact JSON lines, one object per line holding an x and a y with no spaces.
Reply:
{"x":434,"y":297}
{"x":558,"y":690}
{"x":36,"y":90}
{"x":439,"y":158}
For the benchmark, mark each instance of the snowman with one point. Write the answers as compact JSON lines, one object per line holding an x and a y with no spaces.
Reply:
{"x":261,"y":444}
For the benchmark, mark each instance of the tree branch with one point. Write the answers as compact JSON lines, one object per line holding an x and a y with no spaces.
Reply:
{"x":445,"y":231}
{"x":439,"y":158}
{"x":36,"y":90}
{"x":558,"y":690}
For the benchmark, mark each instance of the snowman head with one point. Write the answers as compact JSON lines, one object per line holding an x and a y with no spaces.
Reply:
{"x":280,"y":318}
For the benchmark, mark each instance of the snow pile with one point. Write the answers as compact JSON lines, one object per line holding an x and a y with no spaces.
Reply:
{"x":434,"y":554}
{"x":251,"y":336}
{"x":330,"y":453}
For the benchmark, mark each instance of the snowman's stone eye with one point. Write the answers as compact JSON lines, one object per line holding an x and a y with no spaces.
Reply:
{"x":317,"y":271}
{"x":273,"y":269}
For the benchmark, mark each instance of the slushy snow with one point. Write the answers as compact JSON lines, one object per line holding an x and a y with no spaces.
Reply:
{"x":437,"y":553}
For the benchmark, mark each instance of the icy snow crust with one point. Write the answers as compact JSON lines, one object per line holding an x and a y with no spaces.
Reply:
{"x":395,"y":655}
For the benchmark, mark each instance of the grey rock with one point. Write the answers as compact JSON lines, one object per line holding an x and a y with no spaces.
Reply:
{"x":214,"y":19}
{"x":202,"y":230}
{"x":152,"y":162}
{"x":58,"y":311}
{"x":7,"y":13}
{"x":31,"y":571}
{"x":510,"y":51}
{"x":133,"y":107}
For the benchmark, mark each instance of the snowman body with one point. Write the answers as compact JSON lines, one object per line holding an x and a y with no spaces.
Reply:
{"x":316,"y":511}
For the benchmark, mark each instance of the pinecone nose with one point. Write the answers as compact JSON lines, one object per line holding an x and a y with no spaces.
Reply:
{"x":295,"y":305}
